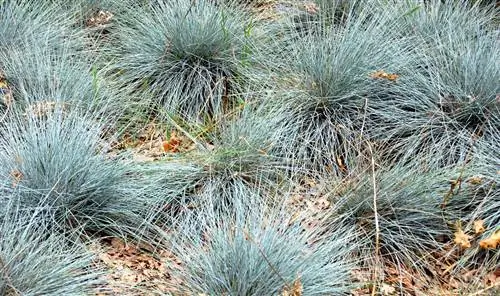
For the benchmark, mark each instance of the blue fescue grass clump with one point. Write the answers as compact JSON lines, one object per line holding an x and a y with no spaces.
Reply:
{"x":38,"y":22}
{"x":44,"y":75}
{"x":38,"y":261}
{"x":255,"y":250}
{"x":243,"y":149}
{"x":402,"y":221}
{"x":464,"y":19}
{"x":20,"y":20}
{"x":237,"y":161}
{"x":187,"y":53}
{"x":325,"y":14}
{"x":323,"y":84}
{"x":483,"y":205}
{"x":447,"y":96}
{"x":478,"y":199}
{"x":57,"y":164}
{"x":96,"y":19}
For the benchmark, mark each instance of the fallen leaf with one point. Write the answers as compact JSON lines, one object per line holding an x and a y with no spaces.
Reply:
{"x":392,"y":77}
{"x":479,"y":226}
{"x":100,"y":19}
{"x":492,"y":242}
{"x":294,"y":290}
{"x":462,"y":239}
{"x":383,"y":75}
{"x":341,"y":165}
{"x":475,"y":180}
{"x":172,"y":144}
{"x":17,"y":176}
{"x":493,"y":278}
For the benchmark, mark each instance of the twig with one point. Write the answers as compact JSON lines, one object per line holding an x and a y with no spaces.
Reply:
{"x":364,"y":118}
{"x":375,"y":212}
{"x":193,"y":3}
{"x":377,"y":227}
{"x":247,"y":235}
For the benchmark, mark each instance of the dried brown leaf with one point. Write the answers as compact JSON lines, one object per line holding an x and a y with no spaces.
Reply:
{"x":492,"y":242}
{"x":479,"y":227}
{"x":383,"y":75}
{"x":294,"y":290}
{"x":462,"y":239}
{"x":475,"y":180}
{"x":17,"y":176}
{"x":172,"y":145}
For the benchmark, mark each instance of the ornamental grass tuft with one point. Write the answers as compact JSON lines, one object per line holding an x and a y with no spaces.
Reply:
{"x":186,"y":53}
{"x":57,"y":165}
{"x":238,"y":160}
{"x":254,"y":250}
{"x":447,"y":96}
{"x":37,"y":261}
{"x":401,"y":223}
{"x":323,"y":83}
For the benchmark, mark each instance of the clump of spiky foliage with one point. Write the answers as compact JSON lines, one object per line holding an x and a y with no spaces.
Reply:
{"x":447,"y":96}
{"x":187,"y":53}
{"x":398,"y":213}
{"x":242,"y":151}
{"x":95,"y":18}
{"x":44,"y":75}
{"x":478,"y":201}
{"x":38,"y":261}
{"x":237,"y":161}
{"x":55,"y":163}
{"x":31,"y":31}
{"x":323,"y":83}
{"x":254,"y":250}
{"x":38,"y":22}
{"x":426,"y":20}
{"x":336,"y":12}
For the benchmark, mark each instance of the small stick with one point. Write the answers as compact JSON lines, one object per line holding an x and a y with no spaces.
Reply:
{"x":377,"y":227}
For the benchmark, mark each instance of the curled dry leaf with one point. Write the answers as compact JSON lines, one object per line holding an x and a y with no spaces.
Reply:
{"x":462,"y":239}
{"x":475,"y":180}
{"x":479,"y":226}
{"x":17,"y":176}
{"x":492,"y":242}
{"x":172,"y":145}
{"x":100,"y":19}
{"x":294,"y":290}
{"x":383,"y":75}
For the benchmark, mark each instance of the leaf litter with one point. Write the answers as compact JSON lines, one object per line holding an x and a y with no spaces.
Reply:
{"x":133,"y":269}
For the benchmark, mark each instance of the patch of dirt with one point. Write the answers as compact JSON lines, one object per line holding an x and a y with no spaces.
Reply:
{"x":152,"y":143}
